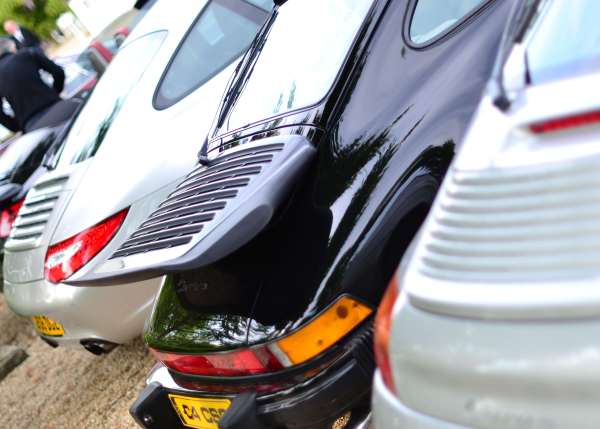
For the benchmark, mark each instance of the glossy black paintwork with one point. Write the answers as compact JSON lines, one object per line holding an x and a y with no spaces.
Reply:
{"x":385,"y":134}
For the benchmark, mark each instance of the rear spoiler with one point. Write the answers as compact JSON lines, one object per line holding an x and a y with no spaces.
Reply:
{"x":216,"y":210}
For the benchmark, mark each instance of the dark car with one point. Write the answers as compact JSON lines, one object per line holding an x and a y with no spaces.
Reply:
{"x":325,"y":156}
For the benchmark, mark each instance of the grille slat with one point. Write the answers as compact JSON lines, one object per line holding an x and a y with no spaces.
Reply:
{"x":167,"y":225}
{"x":33,"y":216}
{"x":224,"y":175}
{"x":33,"y":219}
{"x":154,"y":245}
{"x":184,"y":211}
{"x":518,"y":224}
{"x":198,"y":200}
{"x":29,"y":232}
{"x":228,"y":166}
{"x":169,"y":205}
{"x":198,"y":190}
{"x":178,"y":231}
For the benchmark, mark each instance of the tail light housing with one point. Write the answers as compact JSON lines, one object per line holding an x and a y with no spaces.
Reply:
{"x":383,"y":324}
{"x":7,"y":218}
{"x":300,"y":346}
{"x":65,"y":258}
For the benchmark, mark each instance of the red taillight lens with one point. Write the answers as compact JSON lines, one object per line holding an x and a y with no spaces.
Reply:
{"x":383,"y":323}
{"x":68,"y":256}
{"x":300,"y":346}
{"x":7,"y":218}
{"x":257,"y":360}
{"x":559,"y":124}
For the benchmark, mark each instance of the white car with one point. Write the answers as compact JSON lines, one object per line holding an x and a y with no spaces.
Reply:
{"x":133,"y":142}
{"x":497,"y":317}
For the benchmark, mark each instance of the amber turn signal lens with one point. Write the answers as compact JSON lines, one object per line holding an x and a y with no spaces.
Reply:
{"x":324,"y":331}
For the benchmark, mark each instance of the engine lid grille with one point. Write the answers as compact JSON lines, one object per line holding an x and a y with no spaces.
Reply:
{"x":33,"y":216}
{"x":520,"y":224}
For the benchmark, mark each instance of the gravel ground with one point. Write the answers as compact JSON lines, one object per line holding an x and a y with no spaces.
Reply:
{"x":68,"y":388}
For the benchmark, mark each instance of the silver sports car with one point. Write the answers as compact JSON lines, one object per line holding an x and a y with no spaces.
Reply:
{"x":132,"y":143}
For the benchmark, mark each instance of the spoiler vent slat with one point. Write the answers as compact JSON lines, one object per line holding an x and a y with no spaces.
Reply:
{"x":197,"y":200}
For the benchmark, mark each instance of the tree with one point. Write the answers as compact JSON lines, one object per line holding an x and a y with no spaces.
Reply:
{"x":37,"y":15}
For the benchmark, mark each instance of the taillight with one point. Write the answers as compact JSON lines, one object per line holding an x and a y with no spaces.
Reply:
{"x":257,"y":360}
{"x":7,"y":218}
{"x":559,"y":124}
{"x":383,"y":324}
{"x":309,"y":341}
{"x":68,"y":256}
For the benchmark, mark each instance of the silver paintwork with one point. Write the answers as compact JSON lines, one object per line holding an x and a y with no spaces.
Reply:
{"x":512,"y":234}
{"x":389,"y":413}
{"x":145,"y":153}
{"x":497,"y":323}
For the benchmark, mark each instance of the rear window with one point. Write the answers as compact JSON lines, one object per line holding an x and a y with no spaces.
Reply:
{"x":564,"y":41}
{"x":432,"y":18}
{"x":96,"y":118}
{"x":300,"y":59}
{"x":222,"y":32}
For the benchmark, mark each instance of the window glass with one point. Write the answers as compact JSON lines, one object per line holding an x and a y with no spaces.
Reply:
{"x":300,"y":59}
{"x":263,"y":4}
{"x":220,"y":35}
{"x":121,"y":76}
{"x":565,"y":41}
{"x":433,"y":17}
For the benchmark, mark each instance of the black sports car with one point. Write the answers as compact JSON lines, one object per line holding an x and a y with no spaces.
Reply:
{"x":325,"y":156}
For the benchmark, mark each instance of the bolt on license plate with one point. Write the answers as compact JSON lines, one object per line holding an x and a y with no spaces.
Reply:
{"x":199,"y":413}
{"x":48,"y":327}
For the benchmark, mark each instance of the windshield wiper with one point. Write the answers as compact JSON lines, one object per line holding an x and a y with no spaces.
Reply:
{"x":236,"y":85}
{"x":523,"y":16}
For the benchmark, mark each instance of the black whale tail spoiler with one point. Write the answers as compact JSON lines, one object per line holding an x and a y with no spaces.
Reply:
{"x":214,"y":211}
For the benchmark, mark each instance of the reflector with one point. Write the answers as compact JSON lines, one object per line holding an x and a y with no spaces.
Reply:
{"x":383,"y":322}
{"x":559,"y":124}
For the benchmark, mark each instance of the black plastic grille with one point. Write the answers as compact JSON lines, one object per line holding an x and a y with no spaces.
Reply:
{"x":197,"y":200}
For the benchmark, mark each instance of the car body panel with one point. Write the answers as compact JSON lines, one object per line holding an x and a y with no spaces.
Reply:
{"x":495,"y":325}
{"x":494,"y":374}
{"x":136,"y":175}
{"x":384,"y":137}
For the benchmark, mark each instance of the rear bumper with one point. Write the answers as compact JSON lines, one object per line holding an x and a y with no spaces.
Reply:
{"x":494,"y":374}
{"x":390,"y":413}
{"x":113,"y":314}
{"x":314,"y":404}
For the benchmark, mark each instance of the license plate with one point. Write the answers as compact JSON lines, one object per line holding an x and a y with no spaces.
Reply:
{"x":48,"y":327}
{"x":199,"y":413}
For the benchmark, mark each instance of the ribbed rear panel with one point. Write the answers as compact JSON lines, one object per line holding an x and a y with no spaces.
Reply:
{"x":516,"y":224}
{"x":34,"y":214}
{"x":197,"y":200}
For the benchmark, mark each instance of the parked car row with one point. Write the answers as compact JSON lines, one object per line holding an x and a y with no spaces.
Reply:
{"x":245,"y":179}
{"x":491,"y":319}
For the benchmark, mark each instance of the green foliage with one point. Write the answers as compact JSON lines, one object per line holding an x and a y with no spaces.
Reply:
{"x":37,"y":15}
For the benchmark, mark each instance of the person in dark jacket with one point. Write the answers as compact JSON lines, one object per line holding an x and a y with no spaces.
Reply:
{"x":23,"y":88}
{"x":22,"y":37}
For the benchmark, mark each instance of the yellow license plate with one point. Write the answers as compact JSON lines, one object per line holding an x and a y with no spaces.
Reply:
{"x":199,"y":413}
{"x":48,"y":327}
